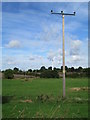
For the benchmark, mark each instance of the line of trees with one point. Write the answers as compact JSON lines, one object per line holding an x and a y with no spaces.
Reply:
{"x":44,"y":72}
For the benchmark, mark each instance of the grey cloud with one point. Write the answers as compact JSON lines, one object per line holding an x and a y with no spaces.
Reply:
{"x":74,"y":51}
{"x":31,"y":58}
{"x":35,"y":57}
{"x":50,"y":33}
{"x":75,"y":47}
{"x":55,"y":55}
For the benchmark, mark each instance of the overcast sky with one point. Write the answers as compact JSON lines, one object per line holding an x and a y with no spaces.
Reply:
{"x":32,"y":37}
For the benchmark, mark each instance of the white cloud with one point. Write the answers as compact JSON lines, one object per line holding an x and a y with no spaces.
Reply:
{"x":75,"y":58}
{"x":75,"y":43}
{"x":23,"y":61}
{"x":13,"y":44}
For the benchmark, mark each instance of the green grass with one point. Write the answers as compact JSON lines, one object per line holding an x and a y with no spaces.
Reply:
{"x":74,"y":106}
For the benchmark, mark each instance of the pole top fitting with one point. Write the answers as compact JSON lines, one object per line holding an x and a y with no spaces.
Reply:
{"x":61,"y":11}
{"x":74,"y":13}
{"x":51,"y":11}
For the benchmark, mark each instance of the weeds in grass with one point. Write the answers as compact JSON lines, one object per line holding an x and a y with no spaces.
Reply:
{"x":21,"y":114}
{"x":45,"y":98}
{"x":53,"y":113}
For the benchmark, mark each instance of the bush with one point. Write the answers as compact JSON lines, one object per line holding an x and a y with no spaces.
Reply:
{"x":75,"y":75}
{"x":49,"y":74}
{"x":8,"y":74}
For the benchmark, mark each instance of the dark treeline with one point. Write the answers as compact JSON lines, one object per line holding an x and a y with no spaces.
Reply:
{"x":44,"y":72}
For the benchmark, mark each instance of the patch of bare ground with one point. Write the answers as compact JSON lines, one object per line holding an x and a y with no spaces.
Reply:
{"x":30,"y":79}
{"x":26,"y":101}
{"x":80,"y":88}
{"x":27,"y":80}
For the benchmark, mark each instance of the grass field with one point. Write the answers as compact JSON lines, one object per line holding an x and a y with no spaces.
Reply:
{"x":42,"y":98}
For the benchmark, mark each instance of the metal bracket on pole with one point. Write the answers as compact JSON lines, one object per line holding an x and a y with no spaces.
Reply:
{"x":62,"y":13}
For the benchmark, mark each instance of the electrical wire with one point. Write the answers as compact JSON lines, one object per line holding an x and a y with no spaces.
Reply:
{"x":79,"y":6}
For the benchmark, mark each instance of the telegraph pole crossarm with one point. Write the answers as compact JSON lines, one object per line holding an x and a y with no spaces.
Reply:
{"x":63,"y":14}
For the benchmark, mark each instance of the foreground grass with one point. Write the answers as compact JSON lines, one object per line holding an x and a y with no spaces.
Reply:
{"x":74,"y":106}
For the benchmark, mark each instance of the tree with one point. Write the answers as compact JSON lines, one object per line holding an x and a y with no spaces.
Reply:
{"x":8,"y":74}
{"x":42,"y":68}
{"x":61,"y":68}
{"x":72,"y":69}
{"x":66,"y":68}
{"x":50,"y":68}
{"x":29,"y":70}
{"x":57,"y":69}
{"x":35,"y":71}
{"x":80,"y":69}
{"x":16,"y":70}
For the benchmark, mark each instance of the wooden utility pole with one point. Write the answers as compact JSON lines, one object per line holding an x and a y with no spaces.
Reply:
{"x":63,"y":57}
{"x":62,"y":13}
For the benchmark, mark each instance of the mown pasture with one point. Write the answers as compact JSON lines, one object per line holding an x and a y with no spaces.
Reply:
{"x":42,"y":98}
